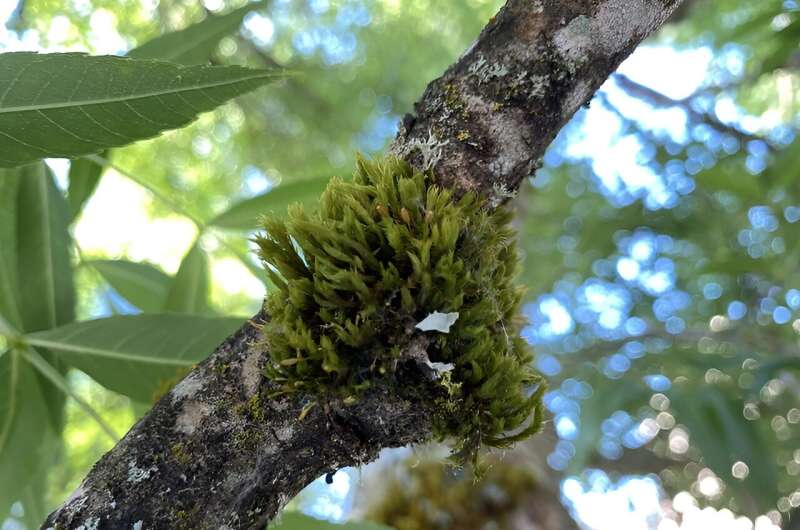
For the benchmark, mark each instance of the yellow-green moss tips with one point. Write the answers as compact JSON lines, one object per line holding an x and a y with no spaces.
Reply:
{"x":384,"y":251}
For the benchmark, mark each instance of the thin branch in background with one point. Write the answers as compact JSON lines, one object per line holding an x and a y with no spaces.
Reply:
{"x":603,"y":98}
{"x":658,"y":99}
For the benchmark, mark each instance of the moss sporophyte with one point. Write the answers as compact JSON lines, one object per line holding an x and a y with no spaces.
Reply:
{"x":381,"y":253}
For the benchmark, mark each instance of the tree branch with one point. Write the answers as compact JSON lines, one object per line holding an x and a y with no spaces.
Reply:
{"x":217,"y":451}
{"x":657,"y":99}
{"x":485,"y":124}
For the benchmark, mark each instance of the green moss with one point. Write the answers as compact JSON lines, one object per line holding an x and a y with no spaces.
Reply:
{"x":253,"y":407}
{"x":431,"y":495}
{"x":181,"y":455}
{"x":247,"y":439}
{"x":383,"y":251}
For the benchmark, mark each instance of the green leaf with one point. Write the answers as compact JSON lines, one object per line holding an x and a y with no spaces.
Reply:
{"x":44,"y":267}
{"x":71,"y":104}
{"x":141,"y":284}
{"x":59,"y":381}
{"x":193,"y":45}
{"x":196,"y":43}
{"x":134,"y":354}
{"x":297,"y":521}
{"x":27,"y":443}
{"x":189,"y":290}
{"x":244,"y":215}
{"x":9,"y":185}
{"x":44,"y":271}
{"x":84,"y":175}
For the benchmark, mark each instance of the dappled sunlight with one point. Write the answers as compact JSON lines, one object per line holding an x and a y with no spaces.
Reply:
{"x":658,"y":238}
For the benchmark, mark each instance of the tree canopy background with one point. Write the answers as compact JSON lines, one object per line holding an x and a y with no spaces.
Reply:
{"x":659,"y":236}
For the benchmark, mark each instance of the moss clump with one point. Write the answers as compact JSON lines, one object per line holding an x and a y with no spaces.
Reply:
{"x":382,"y":252}
{"x":431,"y":495}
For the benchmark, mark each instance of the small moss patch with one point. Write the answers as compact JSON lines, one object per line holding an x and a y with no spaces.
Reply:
{"x":383,"y":251}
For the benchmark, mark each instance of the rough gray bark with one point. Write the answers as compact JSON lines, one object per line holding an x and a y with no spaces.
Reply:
{"x":216,"y":452}
{"x":485,"y":124}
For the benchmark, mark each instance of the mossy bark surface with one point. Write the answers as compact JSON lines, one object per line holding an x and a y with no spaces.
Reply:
{"x":216,"y":452}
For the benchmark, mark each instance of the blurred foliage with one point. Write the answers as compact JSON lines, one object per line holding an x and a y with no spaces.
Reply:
{"x":677,"y":298}
{"x":429,"y":494}
{"x":664,"y":297}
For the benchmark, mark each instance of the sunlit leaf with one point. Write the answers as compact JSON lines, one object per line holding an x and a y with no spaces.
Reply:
{"x":71,"y":104}
{"x":134,"y":354}
{"x":189,"y":290}
{"x":244,"y":215}
{"x":196,"y":43}
{"x":141,"y":284}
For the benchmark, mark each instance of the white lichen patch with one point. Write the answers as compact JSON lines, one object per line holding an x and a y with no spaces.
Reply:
{"x":138,"y":525}
{"x":437,"y":321}
{"x":284,"y":433}
{"x":486,"y":71}
{"x":188,"y":387}
{"x":89,"y":524}
{"x":278,"y":406}
{"x":137,"y":474}
{"x":478,"y":65}
{"x":441,"y":368}
{"x":539,"y":85}
{"x":430,"y":149}
{"x":192,"y":414}
{"x":500,"y":193}
{"x":612,"y":27}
